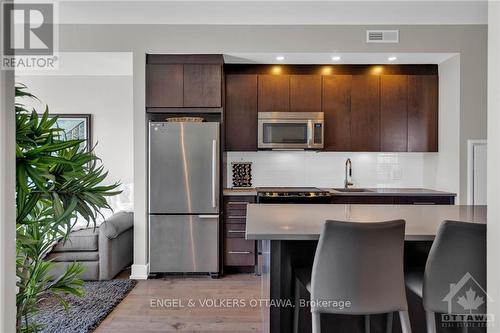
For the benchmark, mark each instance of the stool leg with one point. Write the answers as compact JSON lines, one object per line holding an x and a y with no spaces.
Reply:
{"x":367,"y":323}
{"x":431,"y":322}
{"x":405,"y":321}
{"x":296,"y":310}
{"x":390,"y":318}
{"x":316,"y":322}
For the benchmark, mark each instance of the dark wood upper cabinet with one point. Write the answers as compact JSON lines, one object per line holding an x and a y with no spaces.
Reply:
{"x":274,"y":93}
{"x":164,"y":85}
{"x":305,"y":93}
{"x":202,"y":85}
{"x":365,"y":113}
{"x":241,"y":112}
{"x":336,"y":105}
{"x":393,"y":113}
{"x":423,"y":113}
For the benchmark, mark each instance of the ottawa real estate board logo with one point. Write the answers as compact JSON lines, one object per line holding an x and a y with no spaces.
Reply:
{"x":467,"y":300}
{"x":29,"y":36}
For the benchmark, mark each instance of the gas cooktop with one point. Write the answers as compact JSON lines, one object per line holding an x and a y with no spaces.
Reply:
{"x":291,"y":192}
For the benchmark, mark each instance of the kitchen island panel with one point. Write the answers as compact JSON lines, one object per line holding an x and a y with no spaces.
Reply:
{"x":305,"y":221}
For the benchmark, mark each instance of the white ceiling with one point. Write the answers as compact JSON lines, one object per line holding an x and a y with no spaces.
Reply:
{"x":346,"y":58}
{"x":278,"y":12}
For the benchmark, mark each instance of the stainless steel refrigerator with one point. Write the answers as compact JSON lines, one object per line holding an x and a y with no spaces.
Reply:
{"x":184,"y":197}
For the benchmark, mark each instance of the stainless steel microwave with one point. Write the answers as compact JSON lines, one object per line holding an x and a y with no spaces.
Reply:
{"x":290,"y":130}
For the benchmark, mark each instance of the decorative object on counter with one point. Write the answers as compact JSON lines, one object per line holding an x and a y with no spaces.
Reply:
{"x":185,"y":119}
{"x":242,"y":174}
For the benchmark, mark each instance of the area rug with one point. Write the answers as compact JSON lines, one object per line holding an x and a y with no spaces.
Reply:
{"x":86,"y":313}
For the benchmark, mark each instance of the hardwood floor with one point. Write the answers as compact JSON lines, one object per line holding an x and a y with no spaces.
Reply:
{"x":142,"y":310}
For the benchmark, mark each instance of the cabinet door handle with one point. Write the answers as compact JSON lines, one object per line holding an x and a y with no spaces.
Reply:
{"x":424,"y":203}
{"x":237,"y":203}
{"x":237,"y":217}
{"x":239,"y":252}
{"x":235,"y":231}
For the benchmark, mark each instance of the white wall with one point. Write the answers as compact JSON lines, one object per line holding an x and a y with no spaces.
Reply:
{"x":108,"y":99}
{"x":494,"y":162}
{"x":442,"y":170}
{"x":7,"y":204}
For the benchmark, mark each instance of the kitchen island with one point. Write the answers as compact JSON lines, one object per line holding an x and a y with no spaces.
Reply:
{"x":288,"y":234}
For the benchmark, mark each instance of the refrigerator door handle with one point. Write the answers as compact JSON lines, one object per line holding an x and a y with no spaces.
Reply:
{"x":208,"y":217}
{"x":214,"y":172}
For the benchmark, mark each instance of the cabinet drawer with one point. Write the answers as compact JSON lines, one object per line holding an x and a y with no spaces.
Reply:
{"x":231,"y":219}
{"x":239,"y":252}
{"x":237,"y":206}
{"x":241,"y":199}
{"x":236,"y":212}
{"x":235,"y":230}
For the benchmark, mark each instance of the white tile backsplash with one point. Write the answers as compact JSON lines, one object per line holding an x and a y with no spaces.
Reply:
{"x":326,"y":169}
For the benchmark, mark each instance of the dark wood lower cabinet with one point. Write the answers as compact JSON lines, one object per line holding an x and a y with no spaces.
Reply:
{"x":238,"y":252}
{"x":435,"y":200}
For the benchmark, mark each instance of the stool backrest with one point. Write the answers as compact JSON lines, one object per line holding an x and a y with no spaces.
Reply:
{"x":457,"y":257}
{"x":361,"y":263}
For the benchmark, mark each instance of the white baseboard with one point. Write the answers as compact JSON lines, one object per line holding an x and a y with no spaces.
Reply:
{"x":139,"y":272}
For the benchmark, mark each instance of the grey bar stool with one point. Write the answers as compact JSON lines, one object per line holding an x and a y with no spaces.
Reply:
{"x":458,"y":253}
{"x":361,"y":263}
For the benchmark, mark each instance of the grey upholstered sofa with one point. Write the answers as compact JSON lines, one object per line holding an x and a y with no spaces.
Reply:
{"x":104,"y":251}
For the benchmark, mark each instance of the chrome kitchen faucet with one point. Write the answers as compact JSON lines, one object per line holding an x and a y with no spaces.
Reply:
{"x":348,"y":174}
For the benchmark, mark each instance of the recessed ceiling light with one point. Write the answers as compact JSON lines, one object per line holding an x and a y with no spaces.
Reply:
{"x":336,"y":58}
{"x":393,"y":58}
{"x":280,"y":58}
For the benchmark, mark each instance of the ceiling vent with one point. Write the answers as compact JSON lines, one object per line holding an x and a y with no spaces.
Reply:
{"x":382,"y":36}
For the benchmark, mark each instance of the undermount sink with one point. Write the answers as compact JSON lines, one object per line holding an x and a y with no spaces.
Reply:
{"x":352,"y":190}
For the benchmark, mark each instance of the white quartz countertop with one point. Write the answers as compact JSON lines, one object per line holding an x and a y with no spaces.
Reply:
{"x":394,"y":192}
{"x":370,"y":192}
{"x":305,"y":221}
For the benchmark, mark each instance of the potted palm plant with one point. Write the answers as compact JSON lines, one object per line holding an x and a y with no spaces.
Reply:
{"x":56,"y":181}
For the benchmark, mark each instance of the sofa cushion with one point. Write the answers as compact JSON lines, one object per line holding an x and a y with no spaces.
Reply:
{"x":81,"y":240}
{"x":91,"y":269}
{"x":117,"y":224}
{"x":74,"y":256}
